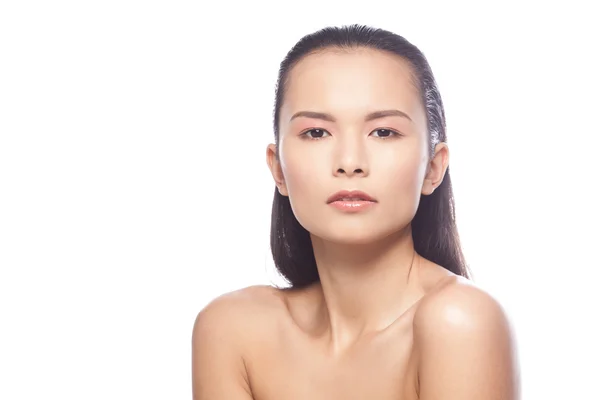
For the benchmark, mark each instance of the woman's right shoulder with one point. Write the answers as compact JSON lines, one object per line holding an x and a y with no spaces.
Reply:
{"x":224,"y":332}
{"x":241,"y":310}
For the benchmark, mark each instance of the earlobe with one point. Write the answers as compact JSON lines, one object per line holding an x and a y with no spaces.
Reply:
{"x":275,"y":167}
{"x":428,"y":188}
{"x":282,"y":190}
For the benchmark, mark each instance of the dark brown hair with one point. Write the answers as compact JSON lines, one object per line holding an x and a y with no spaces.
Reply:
{"x":434,"y":228}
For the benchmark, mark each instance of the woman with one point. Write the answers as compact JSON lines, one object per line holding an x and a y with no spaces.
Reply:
{"x":380,"y":305}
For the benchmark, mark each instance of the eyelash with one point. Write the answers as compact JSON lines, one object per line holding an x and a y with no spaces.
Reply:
{"x":393,"y":133}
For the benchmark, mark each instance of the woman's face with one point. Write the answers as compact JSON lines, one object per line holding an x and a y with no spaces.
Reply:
{"x":385,"y":156}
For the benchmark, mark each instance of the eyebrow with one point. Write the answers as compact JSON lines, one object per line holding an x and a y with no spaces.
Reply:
{"x":369,"y":117}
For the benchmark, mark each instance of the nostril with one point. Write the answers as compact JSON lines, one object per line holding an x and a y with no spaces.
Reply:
{"x":356,"y":171}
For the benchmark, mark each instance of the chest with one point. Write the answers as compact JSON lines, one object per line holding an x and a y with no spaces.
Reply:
{"x":291,"y":367}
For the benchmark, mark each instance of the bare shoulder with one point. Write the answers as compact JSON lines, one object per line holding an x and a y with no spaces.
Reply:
{"x":459,"y":303}
{"x":222,"y":332}
{"x":248,"y":296}
{"x":239,"y":309}
{"x":465,"y":345}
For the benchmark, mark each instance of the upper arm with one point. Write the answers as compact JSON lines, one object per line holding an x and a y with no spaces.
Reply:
{"x":466,"y":347}
{"x":218,"y":368}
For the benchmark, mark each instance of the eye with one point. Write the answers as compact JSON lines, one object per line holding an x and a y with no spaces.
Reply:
{"x":385,"y":133}
{"x":316,"y":133}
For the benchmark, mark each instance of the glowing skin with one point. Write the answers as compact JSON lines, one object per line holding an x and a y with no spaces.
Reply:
{"x":383,"y":323}
{"x":371,"y":136}
{"x":386,"y":157}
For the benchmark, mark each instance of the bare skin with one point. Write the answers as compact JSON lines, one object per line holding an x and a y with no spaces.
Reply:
{"x":382,"y":323}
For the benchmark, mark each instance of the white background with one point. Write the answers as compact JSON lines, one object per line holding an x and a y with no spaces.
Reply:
{"x":134,"y":187}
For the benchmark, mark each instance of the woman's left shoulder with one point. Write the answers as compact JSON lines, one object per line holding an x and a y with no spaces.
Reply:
{"x":465,"y":345}
{"x":459,"y":304}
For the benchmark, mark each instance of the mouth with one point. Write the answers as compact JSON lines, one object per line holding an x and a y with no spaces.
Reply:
{"x":350,"y":196}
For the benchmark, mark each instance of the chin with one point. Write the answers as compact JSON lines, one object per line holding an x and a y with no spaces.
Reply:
{"x":351,"y":236}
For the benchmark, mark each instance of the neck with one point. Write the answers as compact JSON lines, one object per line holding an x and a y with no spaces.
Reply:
{"x":362,"y":286}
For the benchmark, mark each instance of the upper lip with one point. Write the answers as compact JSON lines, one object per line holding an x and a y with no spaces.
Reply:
{"x":354,"y":194}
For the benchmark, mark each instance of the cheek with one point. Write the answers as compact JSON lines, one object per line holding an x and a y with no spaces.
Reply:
{"x":300,"y":169}
{"x":407,"y":175}
{"x":404,"y":166}
{"x":308,"y":187}
{"x":401,"y":179}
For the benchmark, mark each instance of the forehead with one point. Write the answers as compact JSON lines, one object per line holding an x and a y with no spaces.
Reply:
{"x":358,"y":80}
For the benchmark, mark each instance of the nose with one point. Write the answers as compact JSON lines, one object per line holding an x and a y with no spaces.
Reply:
{"x":351,"y":159}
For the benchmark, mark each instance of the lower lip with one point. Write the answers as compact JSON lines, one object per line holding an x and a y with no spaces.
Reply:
{"x":352,"y":206}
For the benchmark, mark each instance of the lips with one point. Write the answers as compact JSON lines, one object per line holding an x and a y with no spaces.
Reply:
{"x":350,"y":195}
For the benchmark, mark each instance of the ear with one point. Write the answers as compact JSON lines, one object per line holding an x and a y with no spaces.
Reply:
{"x":275,"y":167}
{"x":436,"y":169}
